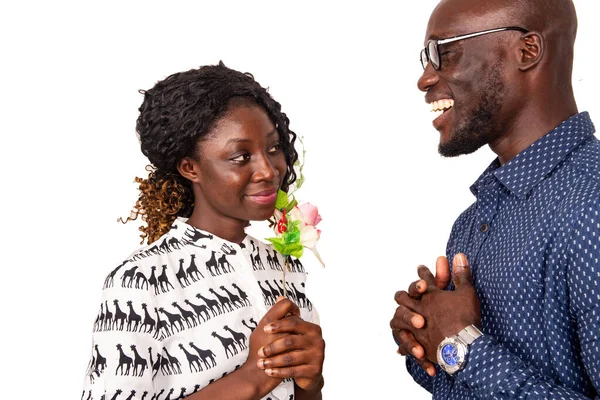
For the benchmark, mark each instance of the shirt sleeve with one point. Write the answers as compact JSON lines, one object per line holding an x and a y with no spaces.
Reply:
{"x":584,"y":289}
{"x":124,"y":345}
{"x":314,"y":317}
{"x":493,"y":372}
{"x":419,"y":375}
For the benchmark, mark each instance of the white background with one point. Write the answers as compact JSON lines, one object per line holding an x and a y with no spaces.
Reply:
{"x":345,"y":74}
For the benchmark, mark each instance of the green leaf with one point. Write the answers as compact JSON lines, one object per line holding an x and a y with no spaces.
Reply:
{"x":292,"y":236}
{"x":295,"y":250}
{"x":277,"y":243}
{"x":282,"y":200}
{"x":299,"y":164}
{"x":291,"y":226}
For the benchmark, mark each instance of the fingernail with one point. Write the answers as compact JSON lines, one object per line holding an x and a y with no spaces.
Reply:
{"x":269,"y":328}
{"x":416,"y":320}
{"x":414,"y":352}
{"x":261,"y":363}
{"x":460,"y":260}
{"x":418,"y":286}
{"x":269,"y":371}
{"x":280,"y":298}
{"x":261,"y":352}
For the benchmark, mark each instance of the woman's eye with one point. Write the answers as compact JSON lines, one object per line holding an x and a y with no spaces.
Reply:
{"x":275,"y":148}
{"x":241,"y":158}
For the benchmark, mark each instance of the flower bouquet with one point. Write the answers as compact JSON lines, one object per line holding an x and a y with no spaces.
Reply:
{"x":295,"y":226}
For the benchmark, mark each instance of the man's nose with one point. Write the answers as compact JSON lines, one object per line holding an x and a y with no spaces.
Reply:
{"x":428,"y":79}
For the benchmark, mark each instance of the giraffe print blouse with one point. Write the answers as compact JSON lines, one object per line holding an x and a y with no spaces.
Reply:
{"x":177,"y":315}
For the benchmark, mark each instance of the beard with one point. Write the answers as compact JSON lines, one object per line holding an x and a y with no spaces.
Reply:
{"x":480,"y":127}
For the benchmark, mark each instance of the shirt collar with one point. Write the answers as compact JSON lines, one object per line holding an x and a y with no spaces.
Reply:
{"x":187,"y":234}
{"x":529,"y":167}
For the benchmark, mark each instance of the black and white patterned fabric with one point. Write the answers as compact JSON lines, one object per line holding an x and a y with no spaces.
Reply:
{"x":177,"y":315}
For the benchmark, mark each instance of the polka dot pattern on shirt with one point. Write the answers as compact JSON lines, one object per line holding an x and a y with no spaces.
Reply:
{"x":535,"y":267}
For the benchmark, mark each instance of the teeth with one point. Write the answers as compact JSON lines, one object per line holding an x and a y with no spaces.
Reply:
{"x":442,"y":105}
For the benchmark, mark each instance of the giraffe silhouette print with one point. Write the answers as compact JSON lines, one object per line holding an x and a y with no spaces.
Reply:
{"x":178,"y":314}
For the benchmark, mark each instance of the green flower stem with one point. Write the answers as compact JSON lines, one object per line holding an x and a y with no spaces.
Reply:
{"x":285,"y":267}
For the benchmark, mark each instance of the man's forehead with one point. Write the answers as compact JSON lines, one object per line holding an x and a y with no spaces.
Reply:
{"x":458,"y":17}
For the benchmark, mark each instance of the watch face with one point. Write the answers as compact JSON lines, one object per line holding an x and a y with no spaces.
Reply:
{"x":450,"y":354}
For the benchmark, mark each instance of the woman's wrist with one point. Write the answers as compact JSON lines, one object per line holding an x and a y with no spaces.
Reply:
{"x":311,"y":393}
{"x":260,"y":384}
{"x":244,"y":383}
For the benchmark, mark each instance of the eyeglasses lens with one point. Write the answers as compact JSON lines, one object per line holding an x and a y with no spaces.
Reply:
{"x":424,"y":58}
{"x":434,"y":57}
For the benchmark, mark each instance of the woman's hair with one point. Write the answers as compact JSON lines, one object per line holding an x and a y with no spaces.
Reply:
{"x":174,"y":115}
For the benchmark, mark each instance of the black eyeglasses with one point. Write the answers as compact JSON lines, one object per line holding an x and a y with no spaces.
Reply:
{"x":431,"y":53}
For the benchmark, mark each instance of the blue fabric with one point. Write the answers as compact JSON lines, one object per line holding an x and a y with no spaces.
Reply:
{"x":533,"y":242}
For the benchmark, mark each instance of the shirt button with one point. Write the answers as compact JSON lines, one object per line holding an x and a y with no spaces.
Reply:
{"x":484,"y":228}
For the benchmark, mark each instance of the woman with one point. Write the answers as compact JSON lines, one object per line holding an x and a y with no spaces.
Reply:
{"x":178,"y":317}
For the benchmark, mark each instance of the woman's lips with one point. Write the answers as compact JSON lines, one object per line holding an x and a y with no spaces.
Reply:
{"x":265,"y":197}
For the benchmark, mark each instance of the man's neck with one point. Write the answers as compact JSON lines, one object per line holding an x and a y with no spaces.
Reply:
{"x":531,"y":125}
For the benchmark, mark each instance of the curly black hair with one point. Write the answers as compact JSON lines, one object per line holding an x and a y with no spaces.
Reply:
{"x":174,"y":115}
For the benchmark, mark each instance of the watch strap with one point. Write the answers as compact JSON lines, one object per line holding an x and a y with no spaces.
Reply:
{"x":469,"y":334}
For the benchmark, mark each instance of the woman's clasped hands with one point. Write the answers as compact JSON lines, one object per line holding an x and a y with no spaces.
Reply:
{"x":283,"y":345}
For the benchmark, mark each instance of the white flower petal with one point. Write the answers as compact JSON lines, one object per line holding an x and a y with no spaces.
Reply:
{"x":309,"y":236}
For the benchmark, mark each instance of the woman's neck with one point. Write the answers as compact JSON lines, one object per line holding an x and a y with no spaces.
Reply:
{"x":228,"y":229}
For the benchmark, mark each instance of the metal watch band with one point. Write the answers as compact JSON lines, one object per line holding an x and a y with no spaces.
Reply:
{"x":469,"y":334}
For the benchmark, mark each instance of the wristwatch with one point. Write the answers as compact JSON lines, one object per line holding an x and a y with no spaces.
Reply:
{"x":452,"y":352}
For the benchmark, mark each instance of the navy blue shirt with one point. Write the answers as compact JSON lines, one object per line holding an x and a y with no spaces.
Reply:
{"x":532,"y":239}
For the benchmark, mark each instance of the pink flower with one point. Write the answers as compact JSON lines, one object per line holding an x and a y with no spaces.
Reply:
{"x":310,"y":214}
{"x":306,"y":216}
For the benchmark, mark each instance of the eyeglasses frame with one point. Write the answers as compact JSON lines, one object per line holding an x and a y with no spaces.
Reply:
{"x":438,"y":42}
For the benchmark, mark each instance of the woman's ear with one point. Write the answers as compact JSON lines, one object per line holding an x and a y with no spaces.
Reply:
{"x":531,"y":50}
{"x":189,"y":169}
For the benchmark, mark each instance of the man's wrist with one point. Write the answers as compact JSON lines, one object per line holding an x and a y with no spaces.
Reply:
{"x":469,"y":334}
{"x":453,"y":351}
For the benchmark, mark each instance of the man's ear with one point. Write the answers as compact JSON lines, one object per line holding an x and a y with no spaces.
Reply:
{"x":531,"y":50}
{"x":189,"y":169}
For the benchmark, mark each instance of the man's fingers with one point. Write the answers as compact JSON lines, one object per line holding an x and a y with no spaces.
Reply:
{"x":461,"y":272}
{"x":441,"y":279}
{"x":416,"y":289}
{"x":405,"y":318}
{"x":442,"y":272}
{"x":425,"y":274}
{"x":426,"y":365}
{"x":408,"y":344}
{"x":403,"y":299}
{"x":402,"y":351}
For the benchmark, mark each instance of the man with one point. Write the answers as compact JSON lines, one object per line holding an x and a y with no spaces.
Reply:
{"x":521,"y":318}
